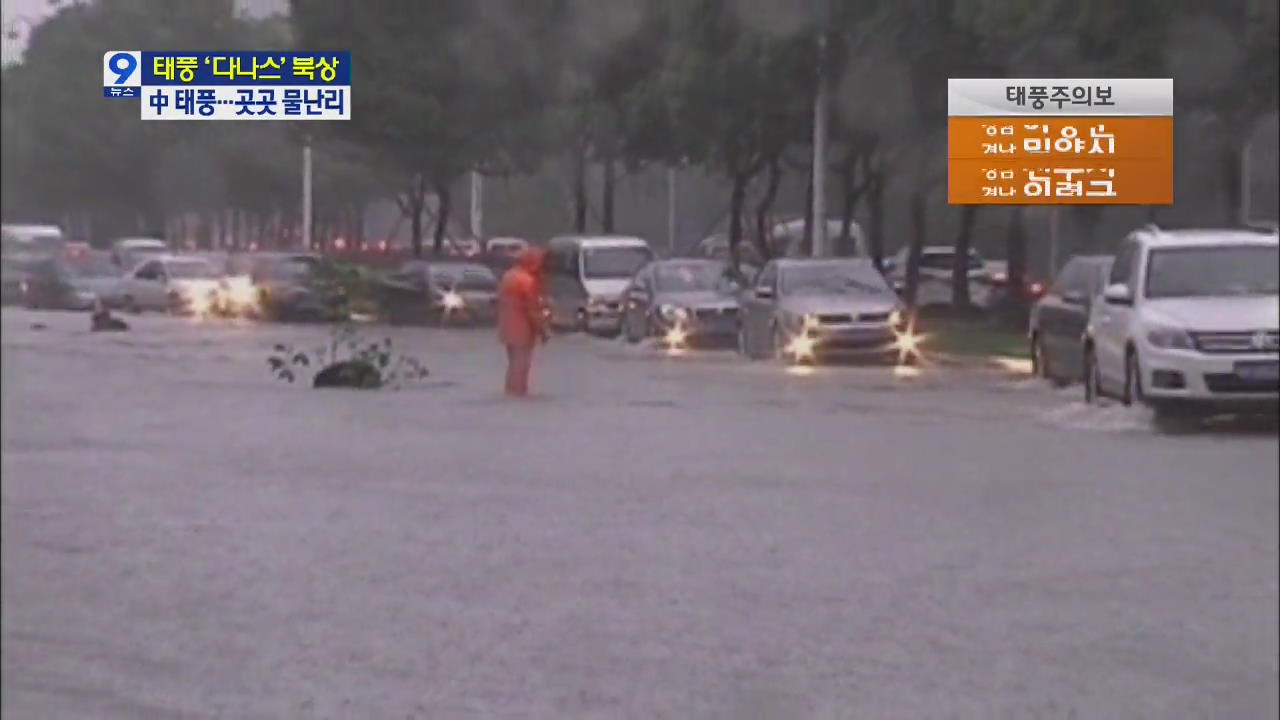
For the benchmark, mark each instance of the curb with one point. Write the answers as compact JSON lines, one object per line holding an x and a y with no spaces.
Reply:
{"x":999,"y":363}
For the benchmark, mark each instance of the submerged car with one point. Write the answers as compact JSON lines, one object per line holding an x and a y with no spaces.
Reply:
{"x":75,"y":282}
{"x":801,"y":310}
{"x":170,"y":283}
{"x":683,"y":301}
{"x":442,"y":292}
{"x":290,"y":288}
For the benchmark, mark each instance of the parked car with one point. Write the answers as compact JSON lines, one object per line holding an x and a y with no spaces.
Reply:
{"x":935,"y":284}
{"x":787,"y":238}
{"x":129,"y":252}
{"x":73,"y":283}
{"x":586,"y":277}
{"x":1058,"y":320}
{"x":805,"y":309}
{"x":1190,"y":319}
{"x":682,"y":301}
{"x":442,"y":292}
{"x":500,"y":252}
{"x":463,"y":248}
{"x":170,"y":283}
{"x":21,"y":239}
{"x":290,"y":288}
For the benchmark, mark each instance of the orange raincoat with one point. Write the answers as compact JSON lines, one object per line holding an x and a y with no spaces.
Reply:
{"x":520,"y":319}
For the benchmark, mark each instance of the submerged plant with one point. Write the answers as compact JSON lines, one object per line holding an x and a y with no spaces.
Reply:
{"x":347,"y":361}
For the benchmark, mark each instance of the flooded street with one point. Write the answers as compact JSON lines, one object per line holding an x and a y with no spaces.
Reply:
{"x":667,"y":537}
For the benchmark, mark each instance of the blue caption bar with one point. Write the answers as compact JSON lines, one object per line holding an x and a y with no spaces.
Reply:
{"x":246,"y":68}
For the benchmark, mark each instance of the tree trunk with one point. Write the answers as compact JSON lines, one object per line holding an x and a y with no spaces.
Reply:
{"x":412,"y":204}
{"x":357,"y":230}
{"x":580,"y":189}
{"x":875,"y":199}
{"x":1016,"y":253}
{"x":445,"y":200}
{"x":415,"y":226}
{"x":911,"y":283}
{"x":960,"y":300}
{"x":1231,"y":184}
{"x":606,"y":195}
{"x":737,"y":199}
{"x":761,"y":237}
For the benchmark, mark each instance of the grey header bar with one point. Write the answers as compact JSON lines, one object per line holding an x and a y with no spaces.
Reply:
{"x":997,"y":97}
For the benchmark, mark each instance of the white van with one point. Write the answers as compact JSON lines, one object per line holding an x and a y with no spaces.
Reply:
{"x":32,"y":239}
{"x":586,"y":277}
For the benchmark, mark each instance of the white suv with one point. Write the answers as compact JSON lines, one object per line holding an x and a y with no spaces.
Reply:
{"x":1189,"y":319}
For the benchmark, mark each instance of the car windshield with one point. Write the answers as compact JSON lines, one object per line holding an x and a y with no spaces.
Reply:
{"x":91,"y":265}
{"x":285,"y":269}
{"x":474,"y":278}
{"x":1213,"y":271}
{"x":613,"y":262}
{"x":689,"y":277}
{"x":190,"y":270}
{"x":834,"y":280}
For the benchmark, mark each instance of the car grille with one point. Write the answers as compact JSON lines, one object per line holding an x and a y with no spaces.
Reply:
{"x":835,"y":319}
{"x":1232,"y":383}
{"x":715,"y":313}
{"x":1236,"y":342}
{"x":873,"y":317}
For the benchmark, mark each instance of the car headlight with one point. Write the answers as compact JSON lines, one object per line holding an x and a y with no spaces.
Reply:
{"x":1170,"y":338}
{"x":672,"y":313}
{"x":896,"y":318}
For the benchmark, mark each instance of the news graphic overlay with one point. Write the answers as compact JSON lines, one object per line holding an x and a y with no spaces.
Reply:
{"x":204,"y":85}
{"x":1060,"y":142}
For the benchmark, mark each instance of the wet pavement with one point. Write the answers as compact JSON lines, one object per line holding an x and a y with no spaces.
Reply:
{"x":691,"y":536}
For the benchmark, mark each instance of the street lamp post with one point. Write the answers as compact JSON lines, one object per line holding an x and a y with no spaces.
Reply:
{"x":820,"y":112}
{"x":477,"y":205}
{"x":671,"y":210}
{"x":306,"y":194}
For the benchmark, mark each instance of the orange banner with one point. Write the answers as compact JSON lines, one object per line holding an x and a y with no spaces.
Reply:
{"x":1060,"y":160}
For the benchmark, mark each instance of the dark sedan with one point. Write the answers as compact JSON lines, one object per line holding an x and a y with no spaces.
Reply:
{"x":682,"y":301}
{"x":1059,"y":319}
{"x":72,"y":282}
{"x":291,"y":287}
{"x":446,"y":292}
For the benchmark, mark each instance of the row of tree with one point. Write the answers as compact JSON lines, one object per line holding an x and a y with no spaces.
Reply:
{"x":447,"y":87}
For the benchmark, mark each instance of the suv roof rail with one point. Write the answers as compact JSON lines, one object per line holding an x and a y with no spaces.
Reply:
{"x":1259,"y":226}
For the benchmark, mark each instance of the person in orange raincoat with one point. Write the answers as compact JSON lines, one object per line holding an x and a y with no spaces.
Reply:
{"x":521,"y":324}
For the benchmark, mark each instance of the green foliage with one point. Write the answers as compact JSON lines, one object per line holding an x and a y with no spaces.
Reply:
{"x":360,"y":363}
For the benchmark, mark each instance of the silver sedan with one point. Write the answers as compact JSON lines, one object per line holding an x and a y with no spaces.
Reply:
{"x":801,"y":310}
{"x":682,"y":302}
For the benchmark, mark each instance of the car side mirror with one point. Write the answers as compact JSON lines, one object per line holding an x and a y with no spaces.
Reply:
{"x":1118,"y":294}
{"x":1073,"y":297}
{"x":764,"y":292}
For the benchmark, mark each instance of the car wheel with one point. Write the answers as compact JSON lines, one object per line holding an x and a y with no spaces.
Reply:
{"x":629,"y":332}
{"x":1132,"y":379}
{"x":1039,"y":364}
{"x":744,"y":346}
{"x":780,"y":346}
{"x":1091,"y":385}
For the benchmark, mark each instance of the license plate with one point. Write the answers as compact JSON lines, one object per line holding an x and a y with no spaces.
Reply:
{"x":1258,"y":371}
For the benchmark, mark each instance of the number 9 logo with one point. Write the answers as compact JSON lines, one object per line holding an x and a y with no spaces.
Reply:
{"x":119,"y":67}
